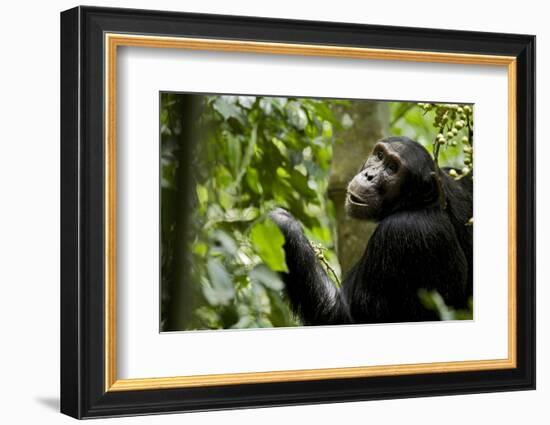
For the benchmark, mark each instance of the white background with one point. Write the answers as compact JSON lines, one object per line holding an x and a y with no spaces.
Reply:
{"x":140,"y":345}
{"x":29,"y":229}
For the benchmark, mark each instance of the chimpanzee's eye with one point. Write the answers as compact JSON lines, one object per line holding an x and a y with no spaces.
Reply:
{"x":380,"y":155}
{"x":392,"y":167}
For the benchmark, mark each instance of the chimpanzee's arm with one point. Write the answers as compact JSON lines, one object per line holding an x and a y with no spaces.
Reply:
{"x":312,"y":294}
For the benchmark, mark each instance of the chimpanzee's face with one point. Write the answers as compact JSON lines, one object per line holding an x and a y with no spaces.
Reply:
{"x":377,"y":186}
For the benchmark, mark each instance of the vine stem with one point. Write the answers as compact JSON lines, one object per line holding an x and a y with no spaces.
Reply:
{"x":437,"y":147}
{"x":319,"y":253}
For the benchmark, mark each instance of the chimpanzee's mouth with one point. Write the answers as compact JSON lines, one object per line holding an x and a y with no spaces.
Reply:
{"x":354,"y":199}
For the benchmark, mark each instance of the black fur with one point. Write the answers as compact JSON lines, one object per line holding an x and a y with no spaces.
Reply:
{"x":418,"y":243}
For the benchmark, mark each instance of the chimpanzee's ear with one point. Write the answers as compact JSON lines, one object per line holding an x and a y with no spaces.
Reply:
{"x":429,"y":190}
{"x":435,"y":190}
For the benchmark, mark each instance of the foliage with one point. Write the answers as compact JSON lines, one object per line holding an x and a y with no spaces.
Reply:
{"x":254,"y":153}
{"x":446,"y":130}
{"x":432,"y":300}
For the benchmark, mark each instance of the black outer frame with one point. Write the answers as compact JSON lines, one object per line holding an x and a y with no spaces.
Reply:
{"x":82,"y":212}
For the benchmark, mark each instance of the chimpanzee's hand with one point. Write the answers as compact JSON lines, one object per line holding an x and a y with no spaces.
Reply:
{"x":290,"y":227}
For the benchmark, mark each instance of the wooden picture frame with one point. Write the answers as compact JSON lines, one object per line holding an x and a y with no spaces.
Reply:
{"x":90,"y":39}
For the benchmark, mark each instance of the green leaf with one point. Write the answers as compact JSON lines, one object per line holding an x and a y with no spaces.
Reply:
{"x":266,"y":277}
{"x":279,"y":144}
{"x":296,"y":115}
{"x":224,"y":242}
{"x":263,"y":322}
{"x":282,"y":173}
{"x":202,"y":195}
{"x":233,"y":152}
{"x":200,"y":248}
{"x":244,"y":322}
{"x":225,"y":105}
{"x":268,"y":242}
{"x":252,"y":179}
{"x":222,"y":290}
{"x":265,"y":105}
{"x":301,"y":168}
{"x":246,"y":214}
{"x":247,"y":101}
{"x":248,"y":154}
{"x":432,"y":300}
{"x":301,"y":183}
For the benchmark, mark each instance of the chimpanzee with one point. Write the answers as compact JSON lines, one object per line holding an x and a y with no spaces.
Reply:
{"x":423,"y":240}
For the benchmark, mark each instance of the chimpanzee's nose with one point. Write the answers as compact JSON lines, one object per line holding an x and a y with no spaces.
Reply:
{"x":369,"y":177}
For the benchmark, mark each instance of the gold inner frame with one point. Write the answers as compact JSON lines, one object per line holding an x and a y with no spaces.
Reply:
{"x":113,"y":41}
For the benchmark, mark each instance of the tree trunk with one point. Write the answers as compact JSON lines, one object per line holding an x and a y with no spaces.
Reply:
{"x":352,"y":147}
{"x":181,"y":306}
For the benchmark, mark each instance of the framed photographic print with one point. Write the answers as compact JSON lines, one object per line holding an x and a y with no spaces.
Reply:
{"x":261,"y":212}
